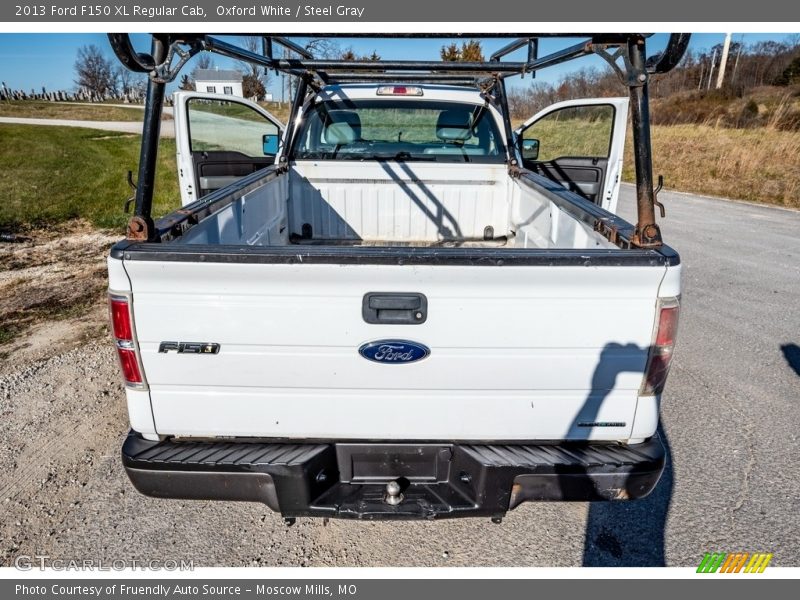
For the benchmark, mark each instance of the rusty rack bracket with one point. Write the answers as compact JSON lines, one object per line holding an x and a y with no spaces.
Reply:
{"x":610,"y":232}
{"x":138,"y":229}
{"x":648,"y":236}
{"x":662,"y":211}
{"x":132,"y":199}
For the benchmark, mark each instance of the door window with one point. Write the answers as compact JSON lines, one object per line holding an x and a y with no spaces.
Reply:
{"x":575,"y":131}
{"x":219,"y":126}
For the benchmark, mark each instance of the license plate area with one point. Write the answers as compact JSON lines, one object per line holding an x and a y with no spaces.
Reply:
{"x":381,"y":463}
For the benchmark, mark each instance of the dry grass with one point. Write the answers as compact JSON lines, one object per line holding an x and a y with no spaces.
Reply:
{"x":774,"y":107}
{"x":760,"y":165}
{"x":280,"y":110}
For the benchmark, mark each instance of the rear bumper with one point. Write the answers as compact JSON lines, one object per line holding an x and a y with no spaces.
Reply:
{"x":347,"y":480}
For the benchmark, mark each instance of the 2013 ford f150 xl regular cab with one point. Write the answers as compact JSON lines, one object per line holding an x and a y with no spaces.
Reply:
{"x":397,"y":306}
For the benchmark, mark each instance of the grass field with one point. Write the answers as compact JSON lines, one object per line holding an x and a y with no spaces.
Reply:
{"x":52,"y":174}
{"x":63,"y":110}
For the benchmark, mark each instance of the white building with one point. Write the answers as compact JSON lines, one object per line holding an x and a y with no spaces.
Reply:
{"x":219,"y":81}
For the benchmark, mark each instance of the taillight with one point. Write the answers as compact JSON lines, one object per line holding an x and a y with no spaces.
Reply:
{"x":658,"y":362}
{"x":130,"y":365}
{"x":125,"y":340}
{"x":121,"y":318}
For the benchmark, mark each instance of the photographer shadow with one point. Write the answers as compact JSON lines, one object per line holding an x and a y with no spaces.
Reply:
{"x":625,"y":533}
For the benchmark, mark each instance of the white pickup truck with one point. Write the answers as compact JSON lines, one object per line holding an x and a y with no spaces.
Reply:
{"x":402,"y":310}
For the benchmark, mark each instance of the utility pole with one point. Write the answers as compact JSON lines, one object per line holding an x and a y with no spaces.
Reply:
{"x":711,"y":72}
{"x":724,"y":60}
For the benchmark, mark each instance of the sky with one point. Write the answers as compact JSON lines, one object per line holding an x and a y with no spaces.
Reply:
{"x":31,"y":61}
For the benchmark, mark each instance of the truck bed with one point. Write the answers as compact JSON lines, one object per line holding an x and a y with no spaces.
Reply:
{"x":350,"y":203}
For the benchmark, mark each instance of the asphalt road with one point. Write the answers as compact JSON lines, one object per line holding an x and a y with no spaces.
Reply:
{"x":167,"y":127}
{"x":731,"y":414}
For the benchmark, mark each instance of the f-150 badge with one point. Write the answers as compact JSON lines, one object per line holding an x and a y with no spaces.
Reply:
{"x":393,"y":352}
{"x":189,"y":347}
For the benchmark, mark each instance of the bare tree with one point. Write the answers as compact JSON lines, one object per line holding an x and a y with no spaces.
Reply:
{"x":323,"y":48}
{"x":319,"y":48}
{"x":252,"y":43}
{"x":203,"y":61}
{"x":124,"y":78}
{"x":187,"y":83}
{"x":255,"y":78}
{"x":252,"y":87}
{"x":139,"y":86}
{"x":128,"y":83}
{"x":95,"y":72}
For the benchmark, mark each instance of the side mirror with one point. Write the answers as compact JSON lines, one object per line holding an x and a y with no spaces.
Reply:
{"x":270,"y":143}
{"x":530,"y":149}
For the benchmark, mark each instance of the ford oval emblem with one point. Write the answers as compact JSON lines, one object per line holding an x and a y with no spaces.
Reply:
{"x":393,"y":352}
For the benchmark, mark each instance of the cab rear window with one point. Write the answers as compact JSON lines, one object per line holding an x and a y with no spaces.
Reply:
{"x":393,"y":129}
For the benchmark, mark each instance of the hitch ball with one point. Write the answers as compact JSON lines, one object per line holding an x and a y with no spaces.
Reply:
{"x":393,"y":494}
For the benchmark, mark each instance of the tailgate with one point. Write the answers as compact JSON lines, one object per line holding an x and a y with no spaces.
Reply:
{"x":516,"y":353}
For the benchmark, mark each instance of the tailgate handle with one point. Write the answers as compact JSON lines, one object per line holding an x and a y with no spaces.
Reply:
{"x":394,"y":308}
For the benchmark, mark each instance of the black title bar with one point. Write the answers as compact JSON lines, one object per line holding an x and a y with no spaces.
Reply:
{"x":355,"y":11}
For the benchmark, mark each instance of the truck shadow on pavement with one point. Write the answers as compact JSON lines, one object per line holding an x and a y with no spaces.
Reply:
{"x":625,"y":533}
{"x":631,"y":534}
{"x":791,"y":353}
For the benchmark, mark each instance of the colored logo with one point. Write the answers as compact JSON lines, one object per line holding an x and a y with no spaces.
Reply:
{"x":393,"y":352}
{"x":737,"y":562}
